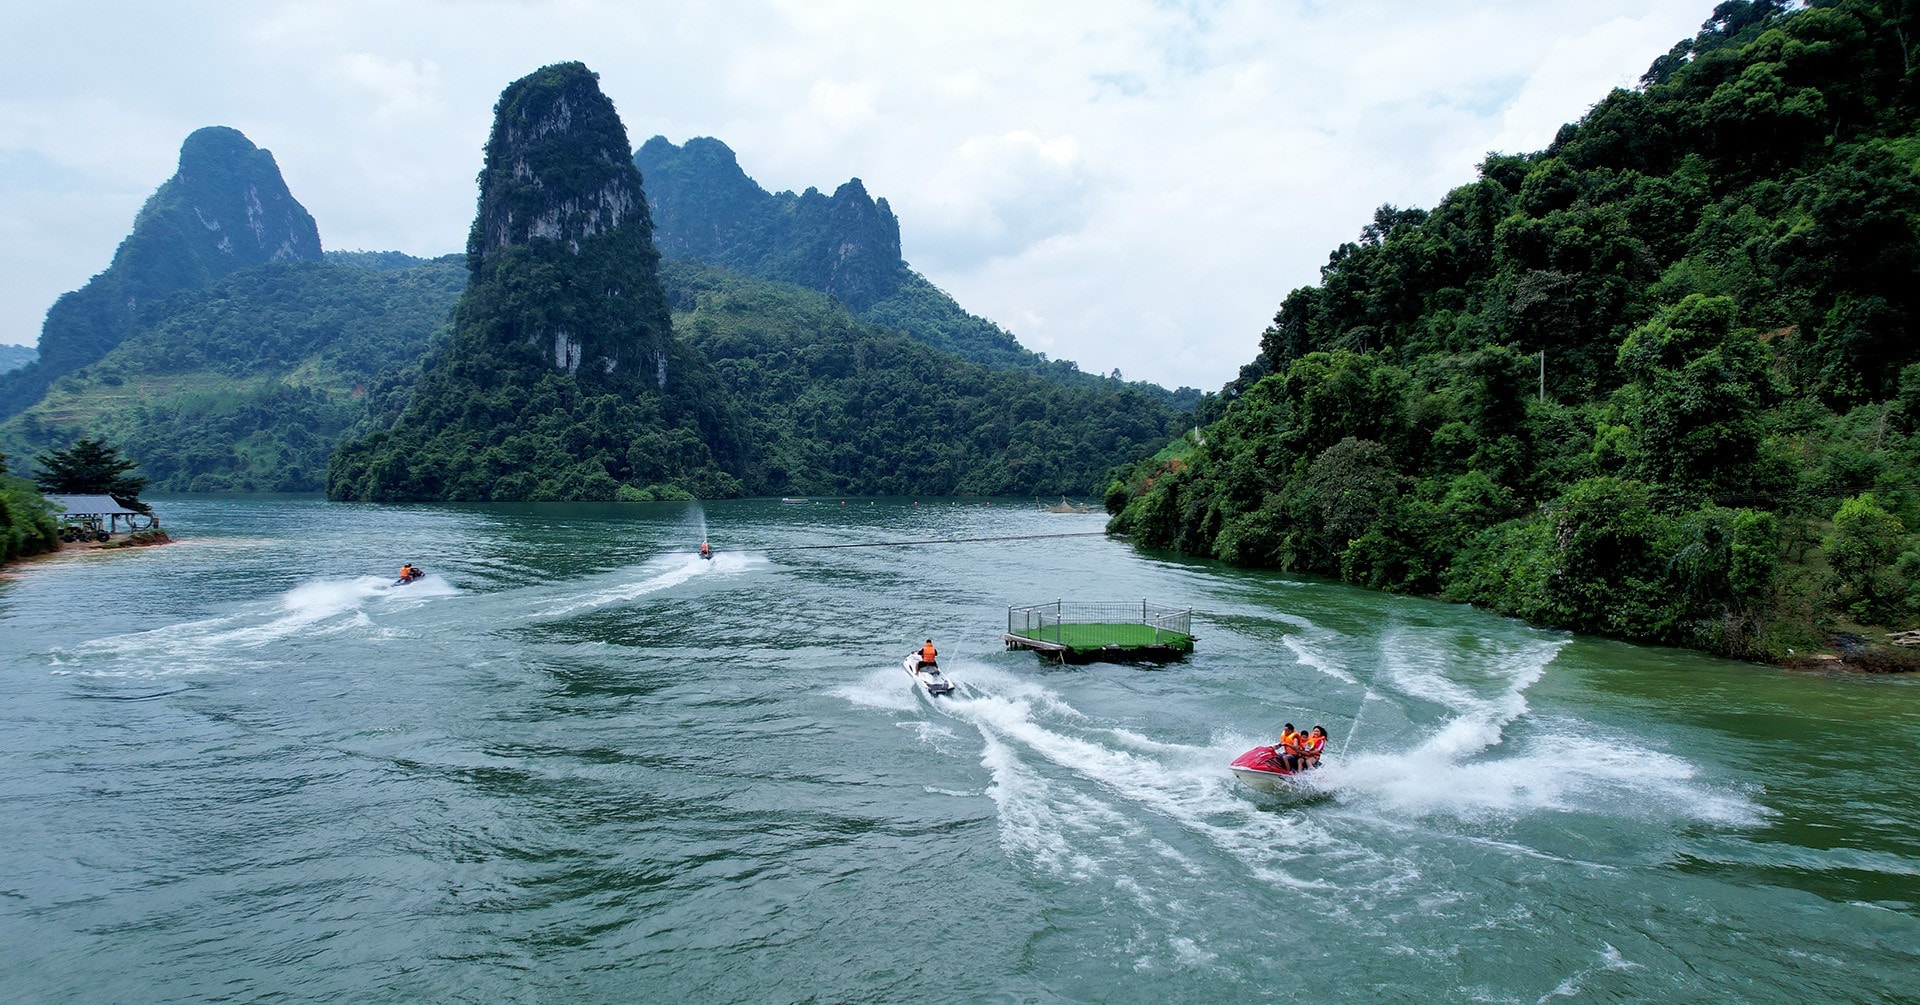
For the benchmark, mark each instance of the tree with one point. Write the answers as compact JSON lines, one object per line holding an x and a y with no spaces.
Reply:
{"x":1862,"y":549}
{"x":91,"y":467}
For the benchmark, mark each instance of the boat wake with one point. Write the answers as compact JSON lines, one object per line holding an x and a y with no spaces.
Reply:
{"x":1092,"y":801}
{"x":309,"y":610}
{"x":656,"y":575}
{"x":1485,"y":755}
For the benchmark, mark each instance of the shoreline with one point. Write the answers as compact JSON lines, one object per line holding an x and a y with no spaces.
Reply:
{"x":17,"y":568}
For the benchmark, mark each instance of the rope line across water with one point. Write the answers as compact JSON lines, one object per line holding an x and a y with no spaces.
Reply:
{"x":902,"y":544}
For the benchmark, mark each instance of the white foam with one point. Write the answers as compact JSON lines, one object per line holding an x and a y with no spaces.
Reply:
{"x":1183,"y":783}
{"x":1314,"y":660}
{"x":1558,"y":770}
{"x":665,"y":572}
{"x":1610,"y":959}
{"x":888,"y":689}
{"x":1467,"y":767}
{"x":1037,"y":824}
{"x":313,"y":609}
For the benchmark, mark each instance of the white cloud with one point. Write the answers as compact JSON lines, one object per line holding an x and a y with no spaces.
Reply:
{"x":401,"y":90}
{"x":994,"y":196}
{"x":1119,"y":182}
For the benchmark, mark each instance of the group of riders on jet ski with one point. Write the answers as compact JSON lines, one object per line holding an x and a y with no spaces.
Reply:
{"x":1300,"y":751}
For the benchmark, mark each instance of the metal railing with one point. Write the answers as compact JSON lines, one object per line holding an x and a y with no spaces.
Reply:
{"x":1097,"y":623}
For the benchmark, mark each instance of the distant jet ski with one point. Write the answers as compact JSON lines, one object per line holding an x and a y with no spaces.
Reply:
{"x":409,"y":573}
{"x":1262,"y":768}
{"x":928,"y":674}
{"x":706,"y":551}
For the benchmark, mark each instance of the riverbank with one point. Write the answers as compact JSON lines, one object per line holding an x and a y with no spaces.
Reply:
{"x":1851,"y":653}
{"x":153,"y":538}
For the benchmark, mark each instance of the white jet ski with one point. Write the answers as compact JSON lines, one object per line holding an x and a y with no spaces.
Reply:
{"x":928,"y":674}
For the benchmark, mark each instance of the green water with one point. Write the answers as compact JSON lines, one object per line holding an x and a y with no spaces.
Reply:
{"x":579,"y":764}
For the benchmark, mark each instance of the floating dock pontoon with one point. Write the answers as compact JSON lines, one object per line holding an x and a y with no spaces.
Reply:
{"x":1086,"y":631}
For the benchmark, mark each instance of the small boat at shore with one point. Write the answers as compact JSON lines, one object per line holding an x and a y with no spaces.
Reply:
{"x":1262,"y":768}
{"x":927,"y":674}
{"x":792,"y":501}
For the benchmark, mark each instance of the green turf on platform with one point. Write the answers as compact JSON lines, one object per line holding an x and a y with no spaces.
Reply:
{"x":1096,"y":636}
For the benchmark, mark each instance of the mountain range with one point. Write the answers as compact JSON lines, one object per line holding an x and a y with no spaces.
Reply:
{"x":243,"y":364}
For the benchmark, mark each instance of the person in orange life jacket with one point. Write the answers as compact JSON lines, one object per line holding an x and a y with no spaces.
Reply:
{"x":1311,"y":746}
{"x":928,"y":653}
{"x":408,"y":573}
{"x":706,"y":550}
{"x":1287,"y":750}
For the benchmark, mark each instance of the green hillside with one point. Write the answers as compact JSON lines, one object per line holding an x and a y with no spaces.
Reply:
{"x":832,"y":406}
{"x":247,"y":384}
{"x":846,"y":245}
{"x":1717,"y":272}
{"x":226,"y":208}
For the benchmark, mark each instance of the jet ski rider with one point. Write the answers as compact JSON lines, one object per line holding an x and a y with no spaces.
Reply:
{"x":706,"y":550}
{"x":1311,"y":746}
{"x":409,"y":572}
{"x":1287,"y":751}
{"x":928,"y":654}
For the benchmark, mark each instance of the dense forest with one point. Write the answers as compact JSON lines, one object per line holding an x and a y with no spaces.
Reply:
{"x":247,"y":385}
{"x":1657,"y":381}
{"x":27,"y":526}
{"x":831,"y":406}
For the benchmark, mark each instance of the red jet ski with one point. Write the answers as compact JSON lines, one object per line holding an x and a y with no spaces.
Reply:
{"x":1262,"y":768}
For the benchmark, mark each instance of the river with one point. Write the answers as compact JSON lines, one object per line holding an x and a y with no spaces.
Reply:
{"x":577,"y":763}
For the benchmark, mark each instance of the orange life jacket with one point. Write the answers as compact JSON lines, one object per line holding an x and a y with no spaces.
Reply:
{"x":406,"y":572}
{"x":928,"y":652}
{"x":1290,"y":742}
{"x":1312,"y":746}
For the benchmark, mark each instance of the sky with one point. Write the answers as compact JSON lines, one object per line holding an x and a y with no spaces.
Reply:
{"x":1127,"y":184}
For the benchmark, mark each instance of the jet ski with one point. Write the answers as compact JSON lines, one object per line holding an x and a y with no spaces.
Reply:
{"x":928,"y":674}
{"x":410,"y":574}
{"x":1262,"y":768}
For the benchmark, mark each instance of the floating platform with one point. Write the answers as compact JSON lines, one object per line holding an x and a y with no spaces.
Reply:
{"x":1101,"y":632}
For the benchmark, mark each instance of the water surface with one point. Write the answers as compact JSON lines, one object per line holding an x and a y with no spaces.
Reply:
{"x":579,"y":764}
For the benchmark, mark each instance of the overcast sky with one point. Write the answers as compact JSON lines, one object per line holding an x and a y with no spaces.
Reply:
{"x":1122,"y":183}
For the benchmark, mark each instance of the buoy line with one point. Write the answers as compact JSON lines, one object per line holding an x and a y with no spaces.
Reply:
{"x":902,"y":544}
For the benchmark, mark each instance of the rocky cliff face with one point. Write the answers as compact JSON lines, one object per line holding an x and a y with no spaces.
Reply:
{"x":846,"y":244}
{"x":559,"y":196}
{"x":225,"y":208}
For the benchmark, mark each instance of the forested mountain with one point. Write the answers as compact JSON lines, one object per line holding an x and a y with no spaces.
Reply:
{"x":847,"y":245}
{"x":561,"y":375}
{"x":1719,"y":268}
{"x":705,"y":207}
{"x":248,"y":384}
{"x":563,"y":379}
{"x":225,"y":208}
{"x":832,"y":406}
